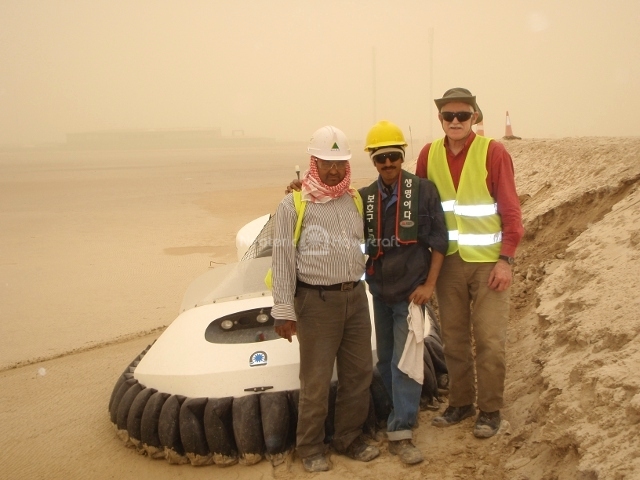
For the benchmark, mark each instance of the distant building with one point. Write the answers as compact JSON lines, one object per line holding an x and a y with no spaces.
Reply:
{"x":127,"y":139}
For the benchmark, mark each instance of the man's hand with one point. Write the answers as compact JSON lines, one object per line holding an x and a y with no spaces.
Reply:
{"x":422,"y":294}
{"x":500,"y":277}
{"x":287,"y":330}
{"x":294,"y":185}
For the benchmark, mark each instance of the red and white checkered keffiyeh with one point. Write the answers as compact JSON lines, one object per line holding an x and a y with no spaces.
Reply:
{"x":315,"y":191}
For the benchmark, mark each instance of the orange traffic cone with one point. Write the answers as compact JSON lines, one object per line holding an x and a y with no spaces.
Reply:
{"x":480,"y":128}
{"x":508,"y":131}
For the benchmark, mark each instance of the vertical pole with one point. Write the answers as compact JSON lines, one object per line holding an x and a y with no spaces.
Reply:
{"x":373,"y":73}
{"x":431,"y":112}
{"x":411,"y":140}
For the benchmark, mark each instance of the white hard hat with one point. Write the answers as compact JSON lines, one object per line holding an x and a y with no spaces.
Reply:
{"x":329,"y":143}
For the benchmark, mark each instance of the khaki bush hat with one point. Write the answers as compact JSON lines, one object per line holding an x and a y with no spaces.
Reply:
{"x":459,"y":94}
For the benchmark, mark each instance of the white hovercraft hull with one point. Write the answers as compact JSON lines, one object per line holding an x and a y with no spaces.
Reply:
{"x":219,"y":385}
{"x":183,"y":362}
{"x":192,"y":356}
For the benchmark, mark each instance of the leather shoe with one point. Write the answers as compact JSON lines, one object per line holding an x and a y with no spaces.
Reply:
{"x":362,"y":451}
{"x":453,"y":415}
{"x":487,"y":424}
{"x":315,"y":463}
{"x":406,"y":450}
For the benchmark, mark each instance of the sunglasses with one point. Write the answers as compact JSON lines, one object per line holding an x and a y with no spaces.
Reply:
{"x":461,"y":116}
{"x":382,"y":157}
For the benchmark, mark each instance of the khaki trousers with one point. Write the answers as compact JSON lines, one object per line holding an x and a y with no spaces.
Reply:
{"x":336,"y":329}
{"x":470,"y":311}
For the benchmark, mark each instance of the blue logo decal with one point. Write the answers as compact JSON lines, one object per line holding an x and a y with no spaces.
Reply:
{"x":258,"y":358}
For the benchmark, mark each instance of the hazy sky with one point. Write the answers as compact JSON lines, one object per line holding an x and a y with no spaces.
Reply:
{"x":282,"y":68}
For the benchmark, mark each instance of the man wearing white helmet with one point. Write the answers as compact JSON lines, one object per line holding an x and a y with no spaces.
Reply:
{"x":317,"y":266}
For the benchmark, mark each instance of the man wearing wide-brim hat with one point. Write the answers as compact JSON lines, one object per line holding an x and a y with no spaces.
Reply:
{"x":474,"y":176}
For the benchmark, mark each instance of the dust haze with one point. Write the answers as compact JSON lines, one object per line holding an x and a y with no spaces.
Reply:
{"x":282,"y":68}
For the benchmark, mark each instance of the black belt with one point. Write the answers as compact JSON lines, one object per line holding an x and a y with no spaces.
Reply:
{"x":343,"y":287}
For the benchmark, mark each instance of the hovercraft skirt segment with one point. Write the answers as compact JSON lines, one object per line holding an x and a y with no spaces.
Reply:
{"x":218,"y":428}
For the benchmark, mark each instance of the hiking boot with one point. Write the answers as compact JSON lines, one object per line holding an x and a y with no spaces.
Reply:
{"x":362,"y":451}
{"x":315,"y":463}
{"x":487,"y":424}
{"x":406,"y":450}
{"x":429,"y":404}
{"x":453,"y":415}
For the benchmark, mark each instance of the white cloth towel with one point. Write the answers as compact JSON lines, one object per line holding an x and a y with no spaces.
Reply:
{"x":412,"y":362}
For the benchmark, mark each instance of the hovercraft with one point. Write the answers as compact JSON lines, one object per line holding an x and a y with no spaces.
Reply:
{"x":219,"y":386}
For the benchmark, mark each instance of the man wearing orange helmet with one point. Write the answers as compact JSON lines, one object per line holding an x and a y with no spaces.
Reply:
{"x":475,"y":178}
{"x":406,"y":239}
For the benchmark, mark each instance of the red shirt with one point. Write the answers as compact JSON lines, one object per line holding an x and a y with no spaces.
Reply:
{"x":500,"y":182}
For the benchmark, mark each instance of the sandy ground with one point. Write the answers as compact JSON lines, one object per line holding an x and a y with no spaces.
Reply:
{"x":97,"y":248}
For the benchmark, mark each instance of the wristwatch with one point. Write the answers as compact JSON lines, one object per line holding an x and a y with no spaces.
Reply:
{"x":509,"y":260}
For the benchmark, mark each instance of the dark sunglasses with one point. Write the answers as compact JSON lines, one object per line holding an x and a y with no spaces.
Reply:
{"x":381,"y":158}
{"x":461,"y":116}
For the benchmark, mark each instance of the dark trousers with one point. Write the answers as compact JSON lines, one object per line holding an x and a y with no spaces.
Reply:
{"x":332,"y":330}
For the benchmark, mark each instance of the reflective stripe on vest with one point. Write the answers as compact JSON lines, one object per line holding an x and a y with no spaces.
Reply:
{"x":469,"y":210}
{"x":473,"y":239}
{"x":471,"y":214}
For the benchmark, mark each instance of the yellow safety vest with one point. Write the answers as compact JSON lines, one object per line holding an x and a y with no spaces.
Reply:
{"x":300,"y":205}
{"x":471,"y":213}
